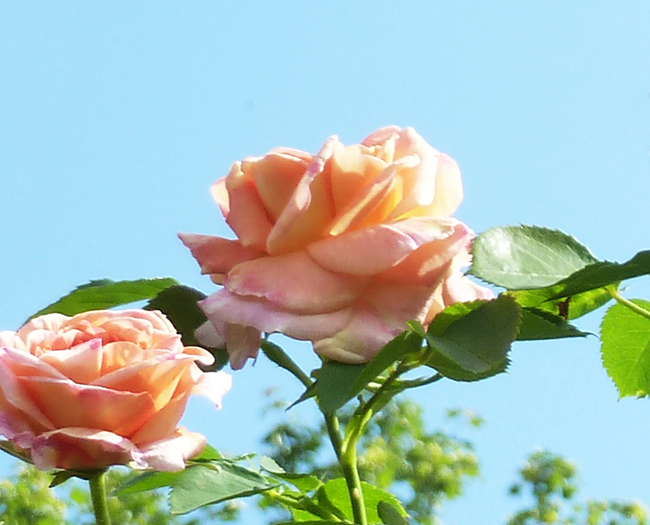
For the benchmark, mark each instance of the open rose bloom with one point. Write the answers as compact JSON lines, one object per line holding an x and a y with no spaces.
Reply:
{"x":340,"y":248}
{"x":102,"y":388}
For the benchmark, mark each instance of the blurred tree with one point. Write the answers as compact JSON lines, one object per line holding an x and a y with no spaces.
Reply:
{"x":553,"y":483}
{"x":26,"y":499}
{"x":396,"y":453}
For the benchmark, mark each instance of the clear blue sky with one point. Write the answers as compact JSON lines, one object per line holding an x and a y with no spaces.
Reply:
{"x":116,"y":117}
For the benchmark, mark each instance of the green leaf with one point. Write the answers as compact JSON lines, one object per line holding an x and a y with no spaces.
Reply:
{"x":625,"y":349}
{"x":338,"y":495}
{"x":280,"y":358}
{"x":335,"y":384}
{"x":312,"y":522}
{"x":586,"y":288}
{"x":303,"y":482}
{"x":567,"y":307}
{"x":390,"y":515}
{"x":470,"y":341}
{"x":180,"y":304}
{"x":149,"y":481}
{"x":538,"y":324}
{"x":603,"y":273}
{"x":209,"y":453}
{"x":61,"y":477}
{"x":338,"y":382}
{"x":326,"y":503}
{"x":215,"y":482}
{"x":524,"y":257}
{"x":104,"y":294}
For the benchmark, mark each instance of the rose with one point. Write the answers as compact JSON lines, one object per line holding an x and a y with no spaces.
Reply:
{"x":102,"y":388}
{"x":341,"y":248}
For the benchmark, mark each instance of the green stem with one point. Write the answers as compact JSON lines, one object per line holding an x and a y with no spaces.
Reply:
{"x":301,"y":504}
{"x":629,"y":304}
{"x":415,"y":383}
{"x":348,"y":458}
{"x":98,"y":495}
{"x":334,"y":433}
{"x":353,"y":480}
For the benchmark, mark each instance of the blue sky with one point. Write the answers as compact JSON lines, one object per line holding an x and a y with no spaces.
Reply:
{"x":116,"y":117}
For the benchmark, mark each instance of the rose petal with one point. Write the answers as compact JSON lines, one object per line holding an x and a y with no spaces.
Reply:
{"x":16,"y":405}
{"x":352,"y":169}
{"x":159,"y":378}
{"x":309,"y":210}
{"x":10,"y":339}
{"x":431,"y":261}
{"x":67,"y":404}
{"x":294,"y":282}
{"x":225,"y":308}
{"x":81,"y":449}
{"x":169,"y":455}
{"x":213,"y":385}
{"x":49,"y":322}
{"x":242,"y":343}
{"x":381,"y":136}
{"x":276,"y":176}
{"x":163,"y":422}
{"x":459,"y":289}
{"x":449,"y":187}
{"x":372,"y":204}
{"x":372,"y":325}
{"x":377,"y":248}
{"x":81,"y":364}
{"x":217,"y":256}
{"x":246,"y":216}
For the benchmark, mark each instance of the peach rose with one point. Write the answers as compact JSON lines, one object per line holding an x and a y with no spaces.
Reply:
{"x":102,"y":388}
{"x":341,"y":248}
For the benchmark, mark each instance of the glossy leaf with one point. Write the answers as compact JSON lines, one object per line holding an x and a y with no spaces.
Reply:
{"x":338,"y":495}
{"x":104,"y":294}
{"x":525,"y":257}
{"x":625,"y":349}
{"x":303,"y":482}
{"x":338,"y":382}
{"x":470,"y":341}
{"x":538,"y":324}
{"x":570,"y":308}
{"x":149,"y":480}
{"x":207,"y":484}
{"x":586,"y":287}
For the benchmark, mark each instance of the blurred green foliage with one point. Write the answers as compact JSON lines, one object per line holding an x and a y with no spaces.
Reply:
{"x":552,"y":482}
{"x":396,"y":453}
{"x":424,"y":469}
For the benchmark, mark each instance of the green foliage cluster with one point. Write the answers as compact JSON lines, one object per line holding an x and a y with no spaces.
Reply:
{"x":555,"y":279}
{"x":553,"y":484}
{"x":26,"y":498}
